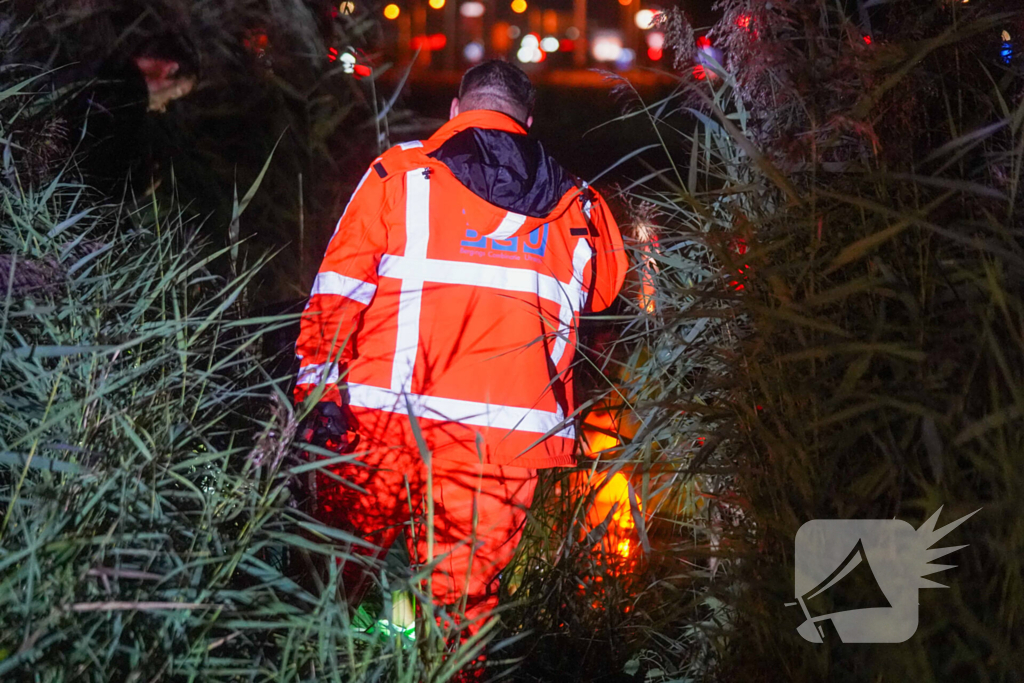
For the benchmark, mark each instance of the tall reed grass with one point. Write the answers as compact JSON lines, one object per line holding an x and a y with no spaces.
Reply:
{"x":838,"y":320}
{"x":151,"y":524}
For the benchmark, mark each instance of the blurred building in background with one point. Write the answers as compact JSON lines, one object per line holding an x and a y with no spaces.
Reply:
{"x":541,"y":36}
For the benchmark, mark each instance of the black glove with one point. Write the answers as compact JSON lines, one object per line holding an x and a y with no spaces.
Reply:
{"x":326,"y":426}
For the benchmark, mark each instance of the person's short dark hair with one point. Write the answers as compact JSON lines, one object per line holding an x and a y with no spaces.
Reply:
{"x":500,"y":86}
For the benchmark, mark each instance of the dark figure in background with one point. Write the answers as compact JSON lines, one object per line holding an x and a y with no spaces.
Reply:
{"x":111,"y":107}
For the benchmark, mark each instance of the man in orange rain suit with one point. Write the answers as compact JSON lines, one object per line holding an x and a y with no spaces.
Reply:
{"x":450,"y":292}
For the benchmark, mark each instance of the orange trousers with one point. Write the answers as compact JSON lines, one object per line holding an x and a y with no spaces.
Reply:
{"x":479,"y":515}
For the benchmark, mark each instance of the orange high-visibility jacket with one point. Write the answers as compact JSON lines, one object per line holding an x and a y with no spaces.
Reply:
{"x":451,"y":290}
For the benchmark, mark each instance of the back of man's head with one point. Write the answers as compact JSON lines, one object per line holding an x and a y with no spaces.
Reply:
{"x":498,"y":86}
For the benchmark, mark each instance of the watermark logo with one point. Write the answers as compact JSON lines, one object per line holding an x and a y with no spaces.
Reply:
{"x":857,"y":579}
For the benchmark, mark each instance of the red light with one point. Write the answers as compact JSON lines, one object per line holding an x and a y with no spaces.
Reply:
{"x":703,"y":43}
{"x":361,"y":71}
{"x":332,"y":55}
{"x":435,"y":41}
{"x":743,"y":21}
{"x":699,"y":73}
{"x":256,"y":42}
{"x":543,"y":56}
{"x":867,"y":39}
{"x":566,"y":45}
{"x":653,"y":54}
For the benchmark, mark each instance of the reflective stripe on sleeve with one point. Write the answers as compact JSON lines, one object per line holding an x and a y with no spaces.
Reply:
{"x":329,"y":282}
{"x":580,"y":258}
{"x":313,"y":374}
{"x":462,"y":412}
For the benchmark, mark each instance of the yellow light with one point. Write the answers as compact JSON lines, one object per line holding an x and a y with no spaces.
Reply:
{"x":623,"y":548}
{"x":1005,"y":36}
{"x":392,"y":11}
{"x":599,"y":441}
{"x":347,"y":7}
{"x":518,"y":6}
{"x":436,"y":4}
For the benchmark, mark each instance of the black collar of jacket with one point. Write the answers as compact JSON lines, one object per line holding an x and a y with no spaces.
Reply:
{"x":508,"y":170}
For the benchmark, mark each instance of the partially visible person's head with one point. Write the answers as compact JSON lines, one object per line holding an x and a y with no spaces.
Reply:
{"x":497,"y":86}
{"x":170,"y":65}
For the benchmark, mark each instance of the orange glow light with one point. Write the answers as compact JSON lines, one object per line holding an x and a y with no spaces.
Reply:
{"x":392,"y":11}
{"x":436,"y":4}
{"x":625,"y":3}
{"x":518,"y":6}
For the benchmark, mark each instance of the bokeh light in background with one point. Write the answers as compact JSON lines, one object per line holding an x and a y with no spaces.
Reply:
{"x":606,"y":46}
{"x":529,"y":50}
{"x":473,"y":52}
{"x":645,"y":19}
{"x":572,"y":33}
{"x":435,"y":41}
{"x":471,"y":10}
{"x":655,"y":45}
{"x":392,"y":11}
{"x":549,"y":44}
{"x":625,"y":58}
{"x":514,"y":32}
{"x":518,"y":6}
{"x":347,"y":8}
{"x":435,"y":4}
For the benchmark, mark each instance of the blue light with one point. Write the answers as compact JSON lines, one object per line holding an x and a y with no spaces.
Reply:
{"x":1006,"y":52}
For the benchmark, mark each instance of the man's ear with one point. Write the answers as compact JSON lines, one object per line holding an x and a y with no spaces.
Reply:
{"x":454,"y":111}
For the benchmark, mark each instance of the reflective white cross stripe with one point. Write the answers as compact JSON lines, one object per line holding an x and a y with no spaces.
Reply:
{"x":461,"y":412}
{"x":312,"y":374}
{"x":413,"y":269}
{"x":417,"y":236}
{"x":508,"y":226}
{"x":329,"y":282}
{"x":580,"y":258}
{"x":475,"y":275}
{"x":412,"y":144}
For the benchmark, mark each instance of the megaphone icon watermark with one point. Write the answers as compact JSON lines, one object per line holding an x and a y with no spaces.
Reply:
{"x":876,"y":565}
